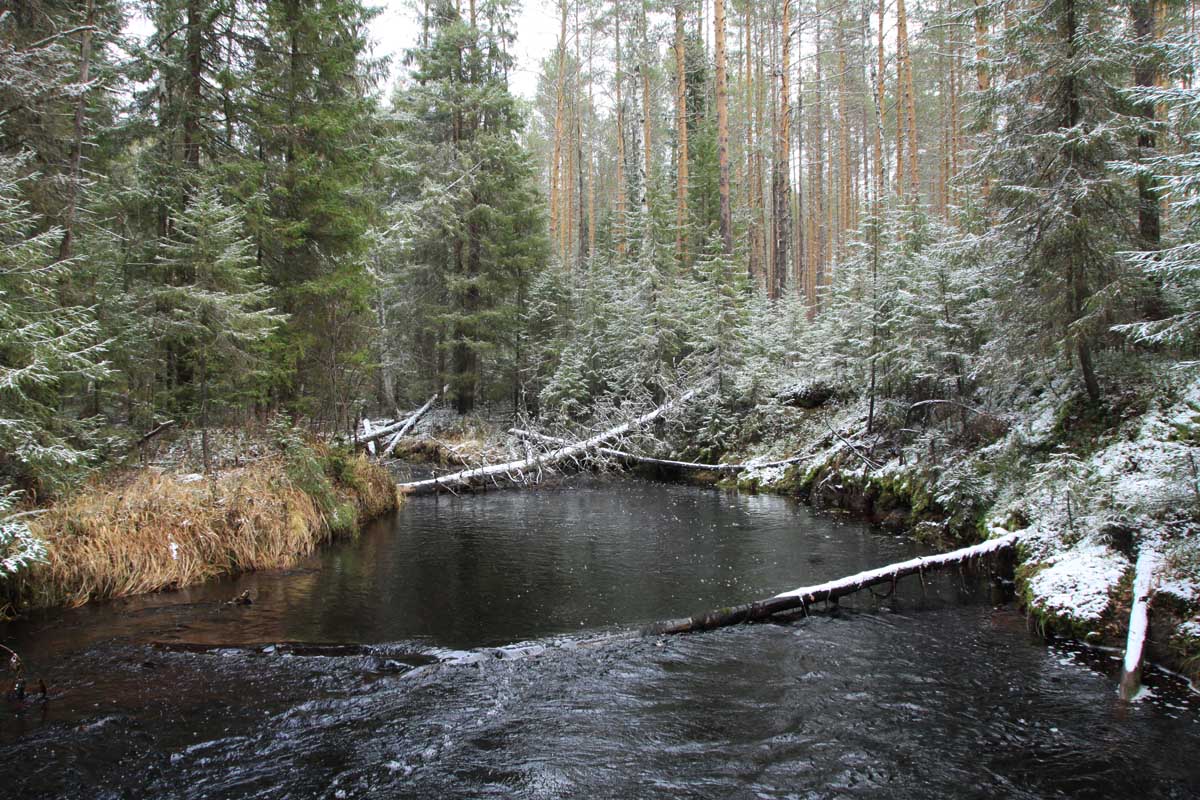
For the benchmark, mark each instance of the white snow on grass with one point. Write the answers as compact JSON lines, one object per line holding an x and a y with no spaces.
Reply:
{"x":1078,"y":581}
{"x":1040,"y":423}
{"x":1181,"y":588}
{"x":765,"y":476}
{"x":1150,"y":474}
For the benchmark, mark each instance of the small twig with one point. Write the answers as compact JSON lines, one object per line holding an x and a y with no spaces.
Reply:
{"x":949,"y":403}
{"x":855,"y":450}
{"x":34,"y":513}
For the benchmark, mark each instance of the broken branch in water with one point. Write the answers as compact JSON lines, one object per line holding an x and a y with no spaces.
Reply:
{"x":1143,"y":589}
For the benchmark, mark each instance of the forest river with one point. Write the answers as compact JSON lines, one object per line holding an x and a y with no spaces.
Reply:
{"x":446,"y":652}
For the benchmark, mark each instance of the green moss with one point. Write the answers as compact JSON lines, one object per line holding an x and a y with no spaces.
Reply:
{"x":343,"y":521}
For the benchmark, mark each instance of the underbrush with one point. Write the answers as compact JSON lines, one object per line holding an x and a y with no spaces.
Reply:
{"x":145,"y":531}
{"x":1090,"y":485}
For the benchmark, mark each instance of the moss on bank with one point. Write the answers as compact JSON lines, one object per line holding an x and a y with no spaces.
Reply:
{"x":144,"y":531}
{"x":1090,"y":485}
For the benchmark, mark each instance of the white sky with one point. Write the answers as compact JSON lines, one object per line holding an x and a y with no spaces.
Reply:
{"x":397,"y":28}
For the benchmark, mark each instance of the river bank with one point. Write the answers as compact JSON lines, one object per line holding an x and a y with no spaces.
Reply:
{"x":150,"y":528}
{"x":1090,"y":489}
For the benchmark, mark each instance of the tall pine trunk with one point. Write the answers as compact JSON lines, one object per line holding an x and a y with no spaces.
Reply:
{"x":726,"y":222}
{"x":681,"y":157}
{"x":781,"y":185}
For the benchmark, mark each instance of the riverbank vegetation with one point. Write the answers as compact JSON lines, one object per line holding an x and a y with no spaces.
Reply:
{"x":942,"y":255}
{"x":147,"y":530}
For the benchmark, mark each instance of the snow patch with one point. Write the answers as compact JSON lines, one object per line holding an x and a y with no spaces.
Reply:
{"x":766,"y":475}
{"x":1077,"y":582}
{"x":1181,"y":588}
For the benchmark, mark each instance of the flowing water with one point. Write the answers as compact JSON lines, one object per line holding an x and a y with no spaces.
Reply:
{"x":386,"y":667}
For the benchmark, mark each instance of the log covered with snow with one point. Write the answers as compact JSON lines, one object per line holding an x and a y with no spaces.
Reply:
{"x":395,"y":429}
{"x":662,"y":462}
{"x":368,"y":429}
{"x":621,"y":455}
{"x":1139,"y":617}
{"x":830,"y":590}
{"x":515,"y":471}
{"x":408,"y":425}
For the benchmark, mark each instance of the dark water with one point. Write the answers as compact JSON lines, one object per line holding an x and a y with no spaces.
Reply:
{"x":371,"y":670}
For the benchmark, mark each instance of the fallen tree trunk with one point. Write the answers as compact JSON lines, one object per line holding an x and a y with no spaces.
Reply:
{"x":367,"y":435}
{"x":408,"y":425}
{"x":831,"y":590}
{"x":622,"y":455}
{"x":152,"y":433}
{"x":403,"y":426}
{"x":515,"y":470}
{"x":370,"y":436}
{"x":1143,"y":588}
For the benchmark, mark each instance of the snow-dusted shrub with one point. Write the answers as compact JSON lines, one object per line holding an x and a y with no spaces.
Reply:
{"x":1066,"y":479}
{"x":19,"y":548}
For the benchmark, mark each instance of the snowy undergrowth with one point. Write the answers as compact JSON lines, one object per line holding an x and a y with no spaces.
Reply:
{"x":1090,"y":496}
{"x":1090,"y":514}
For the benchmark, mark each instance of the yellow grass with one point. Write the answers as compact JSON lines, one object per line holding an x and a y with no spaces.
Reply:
{"x":150,"y":532}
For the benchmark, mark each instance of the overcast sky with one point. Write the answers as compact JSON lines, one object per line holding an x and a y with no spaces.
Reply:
{"x":397,"y":28}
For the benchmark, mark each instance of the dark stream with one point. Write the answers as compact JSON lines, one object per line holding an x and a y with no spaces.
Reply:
{"x":372,"y":670}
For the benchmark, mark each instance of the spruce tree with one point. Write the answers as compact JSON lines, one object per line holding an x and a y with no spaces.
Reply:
{"x":1176,"y":267}
{"x":467,"y":205}
{"x":44,"y":344}
{"x":211,"y":304}
{"x":1062,"y":215}
{"x":308,"y":158}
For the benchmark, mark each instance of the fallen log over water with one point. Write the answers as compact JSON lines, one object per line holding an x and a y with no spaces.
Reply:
{"x":831,"y":590}
{"x":1143,"y":588}
{"x":515,"y":471}
{"x":661,"y":462}
{"x":623,"y":456}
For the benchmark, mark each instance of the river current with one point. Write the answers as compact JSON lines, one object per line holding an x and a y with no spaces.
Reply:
{"x":461,"y":648}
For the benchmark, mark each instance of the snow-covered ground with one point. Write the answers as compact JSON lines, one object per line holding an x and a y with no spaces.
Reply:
{"x":1088,"y":504}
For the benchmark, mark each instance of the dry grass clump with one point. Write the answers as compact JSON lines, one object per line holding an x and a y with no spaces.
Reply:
{"x":151,"y":531}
